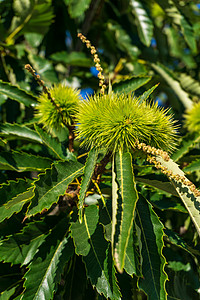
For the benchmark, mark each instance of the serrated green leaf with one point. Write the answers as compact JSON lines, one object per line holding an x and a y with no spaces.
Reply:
{"x":100,"y":267}
{"x":153,"y":262}
{"x":179,"y":242}
{"x":53,"y":184}
{"x":193,"y":166}
{"x":128,"y":194}
{"x":20,"y":248}
{"x":87,"y":176}
{"x":143,"y":22}
{"x":15,"y":93}
{"x":82,"y":233}
{"x":13,"y":131}
{"x":21,"y":162}
{"x":52,"y":143}
{"x":77,"y":8}
{"x":13,"y":196}
{"x":188,"y":198}
{"x":174,"y":84}
{"x":187,"y":142}
{"x":159,"y":184}
{"x":147,"y":93}
{"x":45,"y":270}
{"x":130,"y":85}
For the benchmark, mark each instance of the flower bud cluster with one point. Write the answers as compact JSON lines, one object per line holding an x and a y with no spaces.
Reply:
{"x":96,"y":61}
{"x":176,"y":177}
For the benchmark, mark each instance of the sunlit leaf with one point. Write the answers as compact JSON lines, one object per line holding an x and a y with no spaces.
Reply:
{"x":126,"y":206}
{"x":143,"y":22}
{"x":88,"y":172}
{"x":53,"y":184}
{"x":22,"y":162}
{"x":15,"y":93}
{"x":13,"y":196}
{"x":82,"y":232}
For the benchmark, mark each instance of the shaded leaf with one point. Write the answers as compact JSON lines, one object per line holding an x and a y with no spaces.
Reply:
{"x":30,"y":16}
{"x":188,"y":34}
{"x":179,"y":242}
{"x":143,"y":22}
{"x":100,"y":267}
{"x":87,"y":176}
{"x":20,"y":248}
{"x":193,"y":166}
{"x":12,"y":131}
{"x":77,"y":8}
{"x":159,"y":184}
{"x":45,"y":270}
{"x":153,"y":262}
{"x":164,"y":202}
{"x":130,"y":85}
{"x":128,"y":194}
{"x":13,"y":196}
{"x":7,"y":294}
{"x":186,"y":143}
{"x":15,"y":93}
{"x":82,"y":233}
{"x":53,"y":184}
{"x":21,"y":162}
{"x":52,"y":143}
{"x":132,"y":259}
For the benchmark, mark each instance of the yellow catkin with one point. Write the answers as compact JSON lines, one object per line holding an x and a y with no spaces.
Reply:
{"x":96,"y":61}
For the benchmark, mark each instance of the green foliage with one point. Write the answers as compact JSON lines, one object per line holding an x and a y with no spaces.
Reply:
{"x":89,"y":209}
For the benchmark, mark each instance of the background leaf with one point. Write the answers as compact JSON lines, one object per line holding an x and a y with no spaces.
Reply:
{"x":15,"y":93}
{"x":143,"y":22}
{"x":20,"y":248}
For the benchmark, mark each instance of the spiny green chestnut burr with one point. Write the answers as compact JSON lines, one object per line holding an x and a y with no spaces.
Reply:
{"x":117,"y":121}
{"x":58,"y":109}
{"x":192,"y":118}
